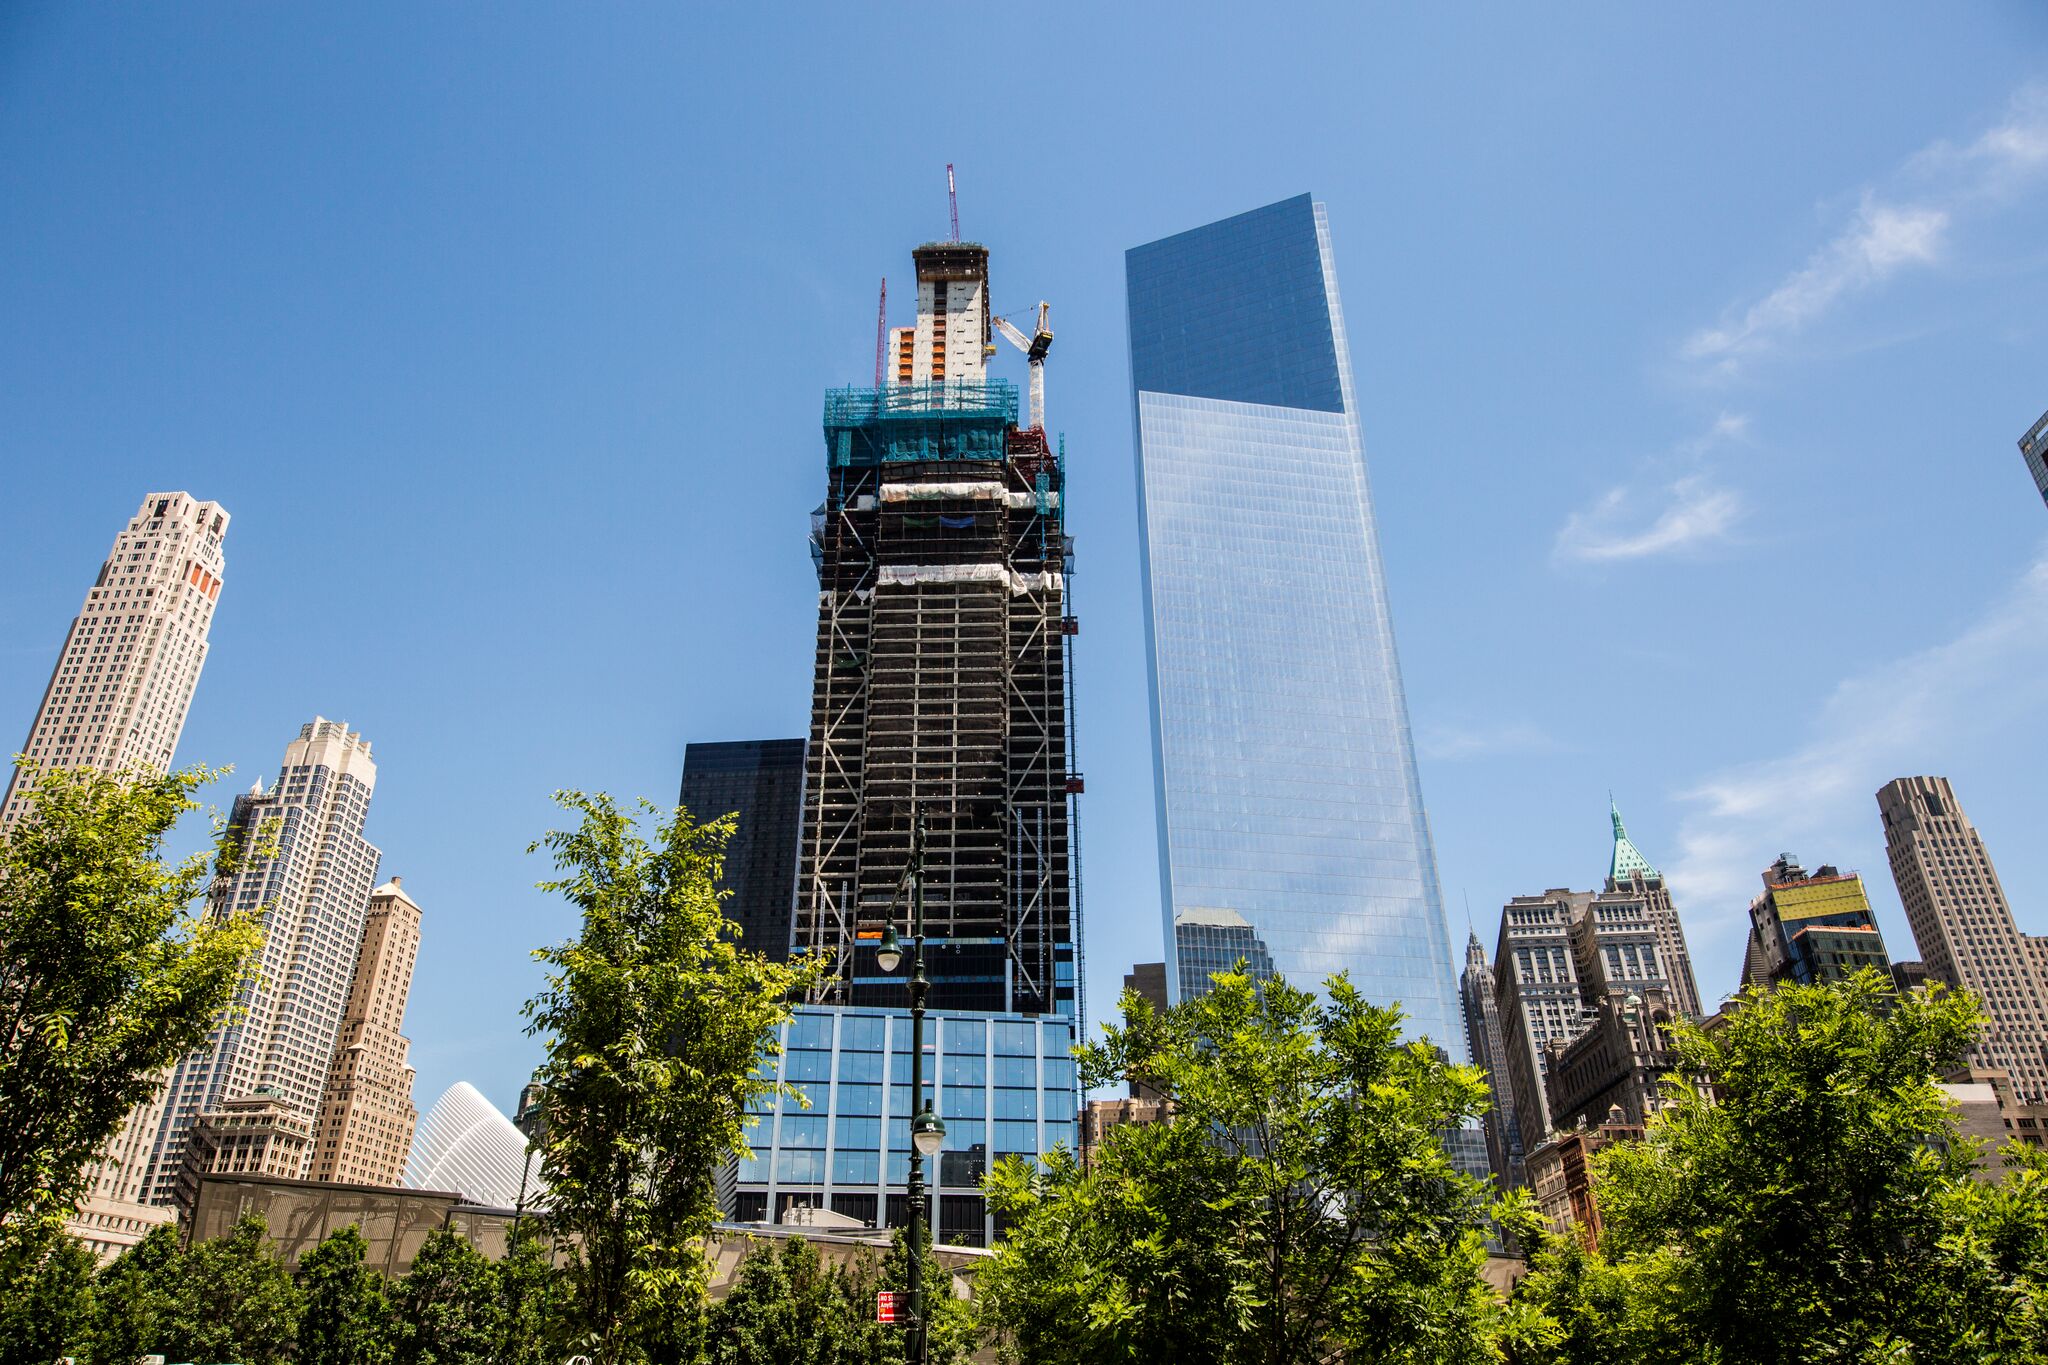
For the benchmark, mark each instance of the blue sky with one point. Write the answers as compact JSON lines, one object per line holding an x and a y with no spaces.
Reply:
{"x":1692,"y":346}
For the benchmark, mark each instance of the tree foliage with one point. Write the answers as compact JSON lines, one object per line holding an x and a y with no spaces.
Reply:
{"x":1816,"y":1204}
{"x":1297,"y":1200}
{"x":133,"y":1297}
{"x":788,"y":1306}
{"x":446,"y":1311}
{"x":534,"y":1303}
{"x":343,"y":1318}
{"x":654,"y":1021}
{"x":46,"y":1298}
{"x":232,"y":1300}
{"x":107,"y":972}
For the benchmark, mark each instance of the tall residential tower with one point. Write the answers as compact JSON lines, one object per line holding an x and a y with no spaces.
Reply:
{"x":124,"y":679}
{"x":2034,"y":450}
{"x":307,"y":866}
{"x":1288,"y":792}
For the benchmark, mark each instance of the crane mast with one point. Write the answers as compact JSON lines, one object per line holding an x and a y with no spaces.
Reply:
{"x":1035,"y":347}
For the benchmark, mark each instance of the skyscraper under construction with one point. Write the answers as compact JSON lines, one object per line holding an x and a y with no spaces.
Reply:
{"x":942,"y":679}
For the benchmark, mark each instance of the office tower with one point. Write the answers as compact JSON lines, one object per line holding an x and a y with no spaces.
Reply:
{"x":1960,"y":919}
{"x":2034,"y":450}
{"x":1476,"y":990}
{"x":761,"y":782}
{"x":941,"y":675}
{"x":467,"y":1147}
{"x":1538,"y":999}
{"x":1207,"y":941}
{"x":255,"y":1134}
{"x":1288,"y":791}
{"x":1630,"y":873}
{"x":124,"y":679}
{"x":1148,"y":979}
{"x":364,"y":1127}
{"x":1001,"y":1083}
{"x":1573,"y":967}
{"x":1811,"y":928}
{"x":306,"y":865}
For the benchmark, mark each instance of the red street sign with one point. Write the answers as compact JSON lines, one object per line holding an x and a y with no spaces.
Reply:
{"x":885,"y":1307}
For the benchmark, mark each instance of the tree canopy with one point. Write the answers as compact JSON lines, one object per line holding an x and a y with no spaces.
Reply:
{"x":654,"y":1021}
{"x":109,"y":971}
{"x":1296,"y":1201}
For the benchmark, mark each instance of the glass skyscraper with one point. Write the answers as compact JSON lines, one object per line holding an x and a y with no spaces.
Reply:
{"x":1287,"y":791}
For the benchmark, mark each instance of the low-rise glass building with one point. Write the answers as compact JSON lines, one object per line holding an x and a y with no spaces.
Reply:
{"x":1001,"y":1083}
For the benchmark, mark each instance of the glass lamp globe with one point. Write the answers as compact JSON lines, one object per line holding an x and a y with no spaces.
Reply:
{"x":927,"y":1133}
{"x":889,"y":953}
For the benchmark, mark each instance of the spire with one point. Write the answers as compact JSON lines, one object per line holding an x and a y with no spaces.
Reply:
{"x":1628,"y":859}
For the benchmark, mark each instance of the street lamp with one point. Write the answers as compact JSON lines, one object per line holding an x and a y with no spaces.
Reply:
{"x":927,"y":1134}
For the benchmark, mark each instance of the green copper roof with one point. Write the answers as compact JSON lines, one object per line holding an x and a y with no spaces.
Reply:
{"x":1628,"y":859}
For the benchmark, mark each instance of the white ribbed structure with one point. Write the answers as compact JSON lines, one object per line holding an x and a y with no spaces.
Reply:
{"x":464,"y":1144}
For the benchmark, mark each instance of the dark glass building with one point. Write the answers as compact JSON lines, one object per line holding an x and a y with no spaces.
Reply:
{"x":1288,"y":793}
{"x":762,"y":782}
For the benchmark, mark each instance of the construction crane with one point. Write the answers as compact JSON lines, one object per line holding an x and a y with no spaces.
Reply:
{"x":881,"y":330}
{"x":1034,"y":348}
{"x":953,"y":201}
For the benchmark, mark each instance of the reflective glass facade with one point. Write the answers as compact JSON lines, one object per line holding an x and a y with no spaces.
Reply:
{"x":1001,"y":1083}
{"x":1287,"y":783}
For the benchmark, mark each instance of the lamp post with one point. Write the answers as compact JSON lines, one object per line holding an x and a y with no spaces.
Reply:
{"x":927,"y":1134}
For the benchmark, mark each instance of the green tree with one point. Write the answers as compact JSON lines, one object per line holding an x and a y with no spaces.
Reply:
{"x":232,"y":1299}
{"x":1297,"y":1201}
{"x":785,"y":1307}
{"x":343,"y":1318}
{"x":533,"y":1301}
{"x":654,"y":1020}
{"x":446,"y":1309}
{"x":46,"y":1299}
{"x":954,"y":1330}
{"x":107,"y":973}
{"x":133,"y":1296}
{"x":1816,"y":1204}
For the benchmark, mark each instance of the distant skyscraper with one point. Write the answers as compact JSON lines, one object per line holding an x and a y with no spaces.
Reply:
{"x":2034,"y":449}
{"x":1537,"y":992}
{"x":1630,"y":873}
{"x":1206,"y":942}
{"x":1960,"y":919}
{"x":124,"y":679}
{"x":941,"y":674}
{"x":363,"y":1131}
{"x":1811,"y":928}
{"x":315,"y":892}
{"x":1288,"y":791}
{"x":1489,"y":1052}
{"x":762,"y":782}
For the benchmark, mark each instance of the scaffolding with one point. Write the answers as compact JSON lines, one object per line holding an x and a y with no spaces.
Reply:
{"x":941,"y":683}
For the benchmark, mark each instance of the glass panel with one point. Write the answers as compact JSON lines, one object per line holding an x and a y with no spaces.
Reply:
{"x":802,"y":1130}
{"x":1015,"y":1038}
{"x":800,"y":1168}
{"x":965,"y":1103}
{"x":966,"y":1036}
{"x":1017,"y":1104}
{"x":809,"y":1029}
{"x":860,"y":1099}
{"x":859,"y":1067}
{"x":965,"y":1070}
{"x":1016,"y":1071}
{"x":808,"y":1066}
{"x":860,"y":1033}
{"x":857,"y":1132}
{"x":856,"y":1168}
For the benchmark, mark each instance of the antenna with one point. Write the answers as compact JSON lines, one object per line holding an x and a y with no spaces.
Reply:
{"x":881,"y":329}
{"x":953,"y":201}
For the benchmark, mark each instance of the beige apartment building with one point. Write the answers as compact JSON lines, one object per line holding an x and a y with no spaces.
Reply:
{"x":117,"y":700}
{"x":363,"y":1132}
{"x":1964,"y":926}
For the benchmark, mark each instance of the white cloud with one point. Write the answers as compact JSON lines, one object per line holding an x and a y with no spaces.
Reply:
{"x":1881,"y":241}
{"x":1453,"y":743}
{"x":1816,"y":797}
{"x":1940,"y":185}
{"x":1694,"y":512}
